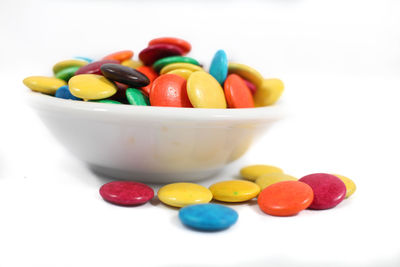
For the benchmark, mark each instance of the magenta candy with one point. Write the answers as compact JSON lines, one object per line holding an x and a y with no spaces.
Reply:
{"x":94,"y":67}
{"x":251,"y":86}
{"x":329,"y":190}
{"x":152,"y":53}
{"x":126,"y":193}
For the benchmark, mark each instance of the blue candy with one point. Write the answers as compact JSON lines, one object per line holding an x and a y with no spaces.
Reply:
{"x":63,"y":92}
{"x":219,"y":66}
{"x":85,"y":59}
{"x":208,"y":217}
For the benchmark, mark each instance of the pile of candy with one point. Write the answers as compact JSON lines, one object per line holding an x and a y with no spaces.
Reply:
{"x":277,"y":193}
{"x":163,"y":76}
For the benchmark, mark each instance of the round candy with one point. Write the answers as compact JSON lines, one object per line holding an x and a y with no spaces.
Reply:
{"x":63,"y":92}
{"x":134,"y":64}
{"x":285,"y":198}
{"x":88,"y":60}
{"x":91,"y":87}
{"x":219,"y":66}
{"x":42,"y":84}
{"x":161,"y":63}
{"x":94,"y":67}
{"x":182,"y":44}
{"x":184,"y":194}
{"x":251,"y":86}
{"x":247,"y":73}
{"x":204,"y":91}
{"x":175,"y":66}
{"x":328,"y":189}
{"x":350,"y":185}
{"x":234,"y":190}
{"x":268,"y":93}
{"x":252,"y":172}
{"x":169,"y":90}
{"x":151,"y":74}
{"x":208,"y":217}
{"x":67,"y":73}
{"x":184,"y":73}
{"x":68,"y":63}
{"x":237,"y":93}
{"x":107,"y":101}
{"x":126,"y":193}
{"x":120,"y":55}
{"x":268,"y":179}
{"x":136,"y":97}
{"x":123,"y":74}
{"x":153,"y":53}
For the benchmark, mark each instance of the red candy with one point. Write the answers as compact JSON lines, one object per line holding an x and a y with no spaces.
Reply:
{"x":126,"y":193}
{"x":151,"y":74}
{"x":329,"y":190}
{"x":251,"y":86}
{"x":94,"y":67}
{"x":169,"y":90}
{"x":120,"y":55}
{"x":237,"y":93}
{"x":154,"y":52}
{"x":182,"y":44}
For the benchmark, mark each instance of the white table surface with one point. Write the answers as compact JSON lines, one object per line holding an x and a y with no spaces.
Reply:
{"x":340,"y":61}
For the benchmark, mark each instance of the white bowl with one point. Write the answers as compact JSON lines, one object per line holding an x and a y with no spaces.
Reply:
{"x":152,"y":144}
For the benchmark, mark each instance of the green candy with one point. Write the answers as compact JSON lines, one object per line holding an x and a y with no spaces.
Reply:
{"x":107,"y":101}
{"x":136,"y":97}
{"x":67,"y":73}
{"x":159,"y":64}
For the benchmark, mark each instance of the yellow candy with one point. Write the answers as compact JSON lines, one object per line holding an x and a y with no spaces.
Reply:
{"x":134,"y":64}
{"x":234,"y":191}
{"x":204,"y":91}
{"x":68,"y":63}
{"x":184,"y":73}
{"x":183,"y":194}
{"x":350,"y":185}
{"x":247,"y":73}
{"x":91,"y":87}
{"x":270,"y":91}
{"x":174,"y":66}
{"x":42,"y":84}
{"x":272,"y":178}
{"x":252,"y":172}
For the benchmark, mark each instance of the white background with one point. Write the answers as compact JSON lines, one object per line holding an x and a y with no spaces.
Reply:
{"x":340,"y":61}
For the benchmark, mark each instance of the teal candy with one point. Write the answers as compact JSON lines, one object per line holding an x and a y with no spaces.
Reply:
{"x":136,"y":97}
{"x":219,"y":66}
{"x":159,"y":64}
{"x":85,"y":59}
{"x":67,"y":73}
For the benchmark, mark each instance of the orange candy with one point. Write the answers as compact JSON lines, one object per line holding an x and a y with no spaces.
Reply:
{"x":237,"y":94}
{"x":285,"y":198}
{"x":169,"y":90}
{"x":151,"y":74}
{"x":120,"y":55}
{"x":182,"y":44}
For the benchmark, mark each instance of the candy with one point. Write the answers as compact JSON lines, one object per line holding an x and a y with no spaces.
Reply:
{"x":184,"y":73}
{"x":42,"y":84}
{"x":63,"y":92}
{"x":234,"y":190}
{"x":126,"y":193}
{"x":184,"y":194}
{"x":154,"y":52}
{"x":161,"y":63}
{"x":328,"y":189}
{"x":247,"y":73}
{"x":136,"y":97}
{"x":175,"y":66}
{"x":208,"y":217}
{"x":91,"y":87}
{"x":149,"y":73}
{"x":125,"y":75}
{"x":251,"y":86}
{"x":134,"y":64}
{"x":268,"y":179}
{"x":107,"y":101}
{"x":120,"y":55}
{"x":67,"y":73}
{"x":237,"y":93}
{"x":219,"y":66}
{"x":88,"y":60}
{"x":94,"y":67}
{"x":350,"y":185}
{"x":68,"y":63}
{"x":268,"y":93}
{"x":252,"y":172}
{"x":204,"y":91}
{"x":182,"y":44}
{"x":169,"y":90}
{"x":285,"y":198}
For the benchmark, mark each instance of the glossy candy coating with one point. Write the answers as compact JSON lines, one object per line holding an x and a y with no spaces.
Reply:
{"x":285,"y":198}
{"x":91,"y":87}
{"x":134,"y":64}
{"x":234,"y":190}
{"x":204,"y":91}
{"x":182,"y":44}
{"x":151,"y":74}
{"x":169,"y":90}
{"x":120,"y":55}
{"x":43,"y":84}
{"x":268,"y":179}
{"x":219,"y":66}
{"x":161,"y":63}
{"x":350,"y":185}
{"x":246,"y":72}
{"x":94,"y":67}
{"x":136,"y":97}
{"x":88,"y":60}
{"x":67,"y":73}
{"x":68,"y":63}
{"x":252,"y":172}
{"x":125,"y":75}
{"x":153,"y":53}
{"x":268,"y":93}
{"x":184,"y":73}
{"x":328,"y":189}
{"x":107,"y":101}
{"x":237,"y":93}
{"x":251,"y":86}
{"x":64,"y":93}
{"x":126,"y":193}
{"x":208,"y":217}
{"x":175,"y":66}
{"x":184,"y":194}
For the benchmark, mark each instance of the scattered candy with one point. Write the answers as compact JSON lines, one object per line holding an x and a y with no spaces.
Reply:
{"x":268,"y":179}
{"x":184,"y":194}
{"x":126,"y":193}
{"x":169,"y":90}
{"x":237,"y":93}
{"x":136,"y":97}
{"x":159,"y":64}
{"x":219,"y":66}
{"x":154,"y":52}
{"x":350,"y":185}
{"x":45,"y":85}
{"x":252,"y":172}
{"x":91,"y":87}
{"x":182,"y":44}
{"x":68,"y":63}
{"x":125,"y":75}
{"x":67,"y":73}
{"x":247,"y":73}
{"x":234,"y":191}
{"x":151,"y":74}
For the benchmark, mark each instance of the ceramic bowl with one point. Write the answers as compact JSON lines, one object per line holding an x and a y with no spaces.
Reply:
{"x":152,"y":144}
